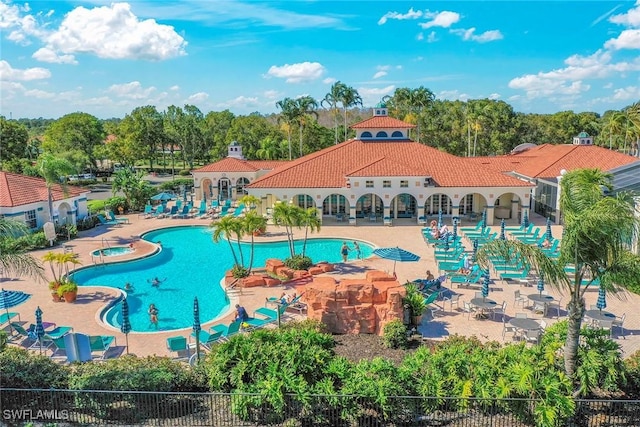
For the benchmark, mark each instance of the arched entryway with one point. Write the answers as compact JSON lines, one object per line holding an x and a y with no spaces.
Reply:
{"x":207,"y":189}
{"x":335,"y":204}
{"x":403,"y":206}
{"x":507,"y":206}
{"x":472,"y":205}
{"x":65,"y":214}
{"x":368,"y":204}
{"x":437,"y":203}
{"x":241,"y":183}
{"x":224,"y":189}
{"x":303,"y":200}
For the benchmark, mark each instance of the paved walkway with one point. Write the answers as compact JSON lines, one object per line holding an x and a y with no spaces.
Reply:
{"x":83,"y":315}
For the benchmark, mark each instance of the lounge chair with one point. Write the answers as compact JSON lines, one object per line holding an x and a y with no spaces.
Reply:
{"x":184,"y":213}
{"x":59,"y":347}
{"x":104,"y":221}
{"x":148,"y":211}
{"x":173,"y":212}
{"x":159,"y":212}
{"x":101,"y":344}
{"x":6,"y":318}
{"x":179,"y":346}
{"x":207,"y":339}
{"x":477,"y":228}
{"x":514,"y":275}
{"x":532,"y":239}
{"x":21,"y":334}
{"x":239,"y":210}
{"x":228,"y":331}
{"x":524,"y":232}
{"x":121,"y":220}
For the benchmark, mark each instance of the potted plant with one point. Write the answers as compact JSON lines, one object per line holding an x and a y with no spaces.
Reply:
{"x":68,"y":291}
{"x":59,"y":265}
{"x":53,"y":287}
{"x":415,"y":300}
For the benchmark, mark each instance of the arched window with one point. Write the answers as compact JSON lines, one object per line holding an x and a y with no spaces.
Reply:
{"x":382,"y":134}
{"x":397,"y":134}
{"x":366,"y":134}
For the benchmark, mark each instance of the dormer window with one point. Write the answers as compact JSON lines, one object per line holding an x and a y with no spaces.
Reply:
{"x":366,"y":134}
{"x":397,"y":134}
{"x":382,"y":134}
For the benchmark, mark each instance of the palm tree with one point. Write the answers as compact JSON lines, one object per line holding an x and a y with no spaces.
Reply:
{"x":62,"y":261}
{"x":288,"y":115}
{"x":229,"y":227}
{"x":419,"y":99}
{"x":249,"y":201}
{"x":330,"y":102}
{"x":614,"y":125}
{"x":285,"y":215}
{"x":310,"y":221}
{"x":252,"y":222}
{"x":349,"y":97}
{"x":306,"y":106}
{"x":14,"y":260}
{"x":597,"y":229}
{"x":269,"y":149}
{"x":52,"y":170}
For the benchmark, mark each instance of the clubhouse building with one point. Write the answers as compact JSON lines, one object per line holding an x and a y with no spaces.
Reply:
{"x":383,"y":176}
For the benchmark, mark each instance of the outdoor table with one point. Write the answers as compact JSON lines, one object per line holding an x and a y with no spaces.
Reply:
{"x":542,"y":298}
{"x":484,"y":304}
{"x":600,"y":315}
{"x":524,"y":324}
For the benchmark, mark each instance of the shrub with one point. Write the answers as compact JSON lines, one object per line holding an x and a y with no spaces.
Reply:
{"x":632,"y":367}
{"x":3,"y":340}
{"x":87,"y":223}
{"x":176,"y":184}
{"x":298,"y":262}
{"x":83,"y":182}
{"x":115,"y":203}
{"x":21,"y":369}
{"x":96,"y":205}
{"x":184,"y":172}
{"x":238,"y":272}
{"x":67,"y":231}
{"x":395,"y":335}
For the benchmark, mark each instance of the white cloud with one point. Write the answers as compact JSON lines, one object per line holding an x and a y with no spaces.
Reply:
{"x":627,"y":93}
{"x":45,"y":54}
{"x":131,"y":90}
{"x":608,"y":86}
{"x":605,"y":15}
{"x":420,"y":36}
{"x":271,"y":94}
{"x":494,"y":96}
{"x":8,"y":73}
{"x":382,"y":71}
{"x":297,"y":73}
{"x":431,"y":38}
{"x":21,"y":24}
{"x":41,"y":94}
{"x":174,"y":88}
{"x":372,"y":96}
{"x":453,"y":95}
{"x":379,"y":74}
{"x":115,"y":32}
{"x":631,"y":18}
{"x":628,"y":39}
{"x":197,"y":97}
{"x":411,"y":14}
{"x":469,"y":35}
{"x":329,"y":80}
{"x":240,"y":102}
{"x":443,"y":19}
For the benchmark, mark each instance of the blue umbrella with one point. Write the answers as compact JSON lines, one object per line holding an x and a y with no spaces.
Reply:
{"x":211,"y":190}
{"x":475,"y":249}
{"x":502,"y":235}
{"x":602,"y":299}
{"x":484,"y":218}
{"x":396,"y":254}
{"x":446,"y":246}
{"x":540,"y":284}
{"x":196,"y":326}
{"x":485,"y":284}
{"x":525,"y":219}
{"x":125,"y":327}
{"x":549,"y":235}
{"x":9,"y":299}
{"x":440,"y":218}
{"x":39,"y":330}
{"x":455,"y":229}
{"x":163,"y":197}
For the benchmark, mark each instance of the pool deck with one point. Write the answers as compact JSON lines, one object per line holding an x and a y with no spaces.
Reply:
{"x":83,"y":315}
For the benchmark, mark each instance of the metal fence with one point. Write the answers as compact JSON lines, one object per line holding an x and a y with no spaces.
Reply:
{"x":70,"y":407}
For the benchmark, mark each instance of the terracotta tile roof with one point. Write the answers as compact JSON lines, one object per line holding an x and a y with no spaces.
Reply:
{"x":231,"y":164}
{"x":382,"y":122}
{"x":328,"y":168}
{"x":547,"y":160}
{"x":501,"y":163}
{"x":18,"y":190}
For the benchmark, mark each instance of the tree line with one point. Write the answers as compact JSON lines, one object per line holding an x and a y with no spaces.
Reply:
{"x":301,"y":126}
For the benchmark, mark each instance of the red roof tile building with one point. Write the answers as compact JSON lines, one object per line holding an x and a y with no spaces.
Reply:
{"x":24,"y":198}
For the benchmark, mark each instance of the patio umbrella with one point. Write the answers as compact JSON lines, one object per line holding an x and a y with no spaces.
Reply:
{"x":396,"y":254}
{"x":9,"y":299}
{"x":549,"y":235}
{"x":455,"y":229}
{"x":440,"y":218}
{"x":211,"y":190}
{"x":39,"y":331}
{"x":602,"y":299}
{"x":475,"y":249}
{"x":163,"y":197}
{"x":525,"y":219}
{"x":540,"y":284}
{"x":196,"y":326}
{"x":484,"y":218}
{"x":446,"y":247}
{"x":485,"y":284}
{"x":125,"y":327}
{"x":502,"y":235}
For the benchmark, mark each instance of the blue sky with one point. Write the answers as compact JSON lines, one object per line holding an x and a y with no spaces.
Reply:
{"x":107,"y":58}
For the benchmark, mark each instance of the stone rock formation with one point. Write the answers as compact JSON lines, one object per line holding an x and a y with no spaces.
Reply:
{"x":355,"y":306}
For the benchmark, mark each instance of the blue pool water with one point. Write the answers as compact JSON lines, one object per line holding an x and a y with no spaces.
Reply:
{"x":189,"y":265}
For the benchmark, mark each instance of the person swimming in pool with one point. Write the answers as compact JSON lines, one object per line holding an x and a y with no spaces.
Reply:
{"x":155,"y":282}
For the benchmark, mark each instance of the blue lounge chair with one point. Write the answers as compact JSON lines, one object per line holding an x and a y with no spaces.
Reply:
{"x":207,"y":339}
{"x":515,"y":275}
{"x":104,"y":221}
{"x":477,"y":228}
{"x":239,"y":210}
{"x":6,"y":318}
{"x":532,"y":239}
{"x":101,"y":344}
{"x":227,"y":331}
{"x":474,"y":276}
{"x":159,"y":212}
{"x":527,"y":231}
{"x":148,"y":211}
{"x":184,"y":213}
{"x":59,"y":347}
{"x":120,"y":220}
{"x":21,"y":334}
{"x":179,"y":346}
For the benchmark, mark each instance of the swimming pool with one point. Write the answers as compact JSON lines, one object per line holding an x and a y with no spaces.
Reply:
{"x":189,"y":265}
{"x":114,"y":251}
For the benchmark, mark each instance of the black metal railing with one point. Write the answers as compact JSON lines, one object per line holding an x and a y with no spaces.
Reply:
{"x":22,"y":406}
